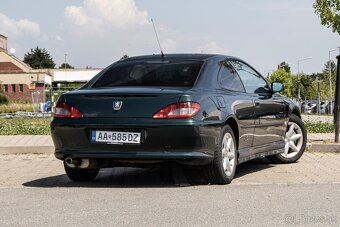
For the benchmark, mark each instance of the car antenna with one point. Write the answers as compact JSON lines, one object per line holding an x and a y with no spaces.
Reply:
{"x":159,"y":44}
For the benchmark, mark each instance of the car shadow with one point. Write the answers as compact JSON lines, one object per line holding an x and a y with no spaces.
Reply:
{"x":120,"y":177}
{"x":159,"y":177}
{"x":252,"y":166}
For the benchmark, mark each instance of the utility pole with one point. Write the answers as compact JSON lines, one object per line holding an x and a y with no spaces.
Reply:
{"x":337,"y":102}
{"x":318,"y":80}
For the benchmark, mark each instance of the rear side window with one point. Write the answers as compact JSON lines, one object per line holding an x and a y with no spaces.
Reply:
{"x":229,"y":78}
{"x":252,"y":81}
{"x":157,"y":73}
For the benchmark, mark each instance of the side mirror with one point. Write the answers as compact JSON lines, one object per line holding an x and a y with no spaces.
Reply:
{"x":277,"y":87}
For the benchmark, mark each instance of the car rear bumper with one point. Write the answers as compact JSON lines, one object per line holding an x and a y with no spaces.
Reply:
{"x":183,"y":157}
{"x":185,"y":144}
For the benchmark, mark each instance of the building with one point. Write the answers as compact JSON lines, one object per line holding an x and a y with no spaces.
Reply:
{"x":19,"y":82}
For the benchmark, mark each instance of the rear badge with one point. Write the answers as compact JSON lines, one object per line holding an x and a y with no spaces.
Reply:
{"x":117,"y":105}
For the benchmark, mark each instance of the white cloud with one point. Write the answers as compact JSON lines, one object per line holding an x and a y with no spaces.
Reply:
{"x":106,"y":14}
{"x":212,"y":48}
{"x":14,"y":28}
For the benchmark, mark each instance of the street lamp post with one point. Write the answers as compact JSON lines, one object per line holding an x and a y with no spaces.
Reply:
{"x":298,"y":72}
{"x":330,"y":78}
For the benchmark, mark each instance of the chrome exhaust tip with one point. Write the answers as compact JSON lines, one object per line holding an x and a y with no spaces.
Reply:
{"x":77,"y":163}
{"x":71,"y":161}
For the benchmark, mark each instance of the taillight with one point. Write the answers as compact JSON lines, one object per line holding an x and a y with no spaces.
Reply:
{"x":65,"y":110}
{"x":178,"y":110}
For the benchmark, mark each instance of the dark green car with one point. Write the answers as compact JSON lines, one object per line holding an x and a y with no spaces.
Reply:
{"x":212,"y":111}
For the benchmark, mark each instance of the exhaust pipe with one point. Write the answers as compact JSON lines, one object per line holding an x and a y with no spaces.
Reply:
{"x":71,"y":161}
{"x":77,"y":163}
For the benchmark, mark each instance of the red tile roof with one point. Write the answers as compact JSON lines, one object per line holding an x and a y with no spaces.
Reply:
{"x":9,"y":67}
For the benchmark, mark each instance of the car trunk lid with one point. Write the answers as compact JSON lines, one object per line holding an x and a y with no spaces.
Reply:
{"x":123,"y":102}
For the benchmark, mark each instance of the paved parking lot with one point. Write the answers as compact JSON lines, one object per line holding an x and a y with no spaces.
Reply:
{"x":45,"y":171}
{"x":34,"y":191}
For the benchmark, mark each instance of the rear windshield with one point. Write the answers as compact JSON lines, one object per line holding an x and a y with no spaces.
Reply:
{"x":174,"y":74}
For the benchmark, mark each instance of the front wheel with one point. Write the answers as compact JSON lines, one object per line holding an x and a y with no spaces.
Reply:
{"x":222,"y":168}
{"x":295,"y":142}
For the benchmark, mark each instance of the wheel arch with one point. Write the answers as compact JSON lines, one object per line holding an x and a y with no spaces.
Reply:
{"x":296,"y":112}
{"x":232,"y":122}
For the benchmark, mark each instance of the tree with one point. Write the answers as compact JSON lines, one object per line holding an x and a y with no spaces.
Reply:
{"x":39,"y":59}
{"x":315,"y":76}
{"x":329,"y":12}
{"x":329,"y":64}
{"x":281,"y":75}
{"x":3,"y":97}
{"x":285,"y":66}
{"x":306,"y":87}
{"x":325,"y":77}
{"x":66,"y":66}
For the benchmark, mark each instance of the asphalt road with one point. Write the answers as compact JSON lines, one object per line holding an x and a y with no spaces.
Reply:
{"x":247,"y":205}
{"x":34,"y":191}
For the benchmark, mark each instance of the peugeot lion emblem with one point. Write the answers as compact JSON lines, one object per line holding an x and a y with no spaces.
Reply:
{"x":117,"y":105}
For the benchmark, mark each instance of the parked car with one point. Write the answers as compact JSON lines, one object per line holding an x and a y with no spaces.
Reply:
{"x":211,"y":111}
{"x":303,"y":107}
{"x":311,"y":107}
{"x":324,"y":107}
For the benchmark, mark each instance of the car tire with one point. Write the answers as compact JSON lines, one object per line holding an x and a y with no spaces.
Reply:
{"x":222,"y":169}
{"x":76,"y":174}
{"x":295,"y":142}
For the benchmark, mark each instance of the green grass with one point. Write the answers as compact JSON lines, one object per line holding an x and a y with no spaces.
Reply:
{"x":25,"y":126}
{"x":318,"y":127}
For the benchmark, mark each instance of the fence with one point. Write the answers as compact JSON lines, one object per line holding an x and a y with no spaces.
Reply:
{"x":20,"y":114}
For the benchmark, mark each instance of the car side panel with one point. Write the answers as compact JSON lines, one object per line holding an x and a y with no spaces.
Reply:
{"x":271,"y":116}
{"x":240,"y":106}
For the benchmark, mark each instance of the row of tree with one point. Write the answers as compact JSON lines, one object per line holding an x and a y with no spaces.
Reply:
{"x":310,"y":85}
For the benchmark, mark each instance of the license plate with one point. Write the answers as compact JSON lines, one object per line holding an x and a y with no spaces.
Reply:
{"x":113,"y":137}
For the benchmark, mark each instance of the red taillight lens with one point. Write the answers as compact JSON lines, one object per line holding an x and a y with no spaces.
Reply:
{"x":65,"y":110}
{"x":178,"y":110}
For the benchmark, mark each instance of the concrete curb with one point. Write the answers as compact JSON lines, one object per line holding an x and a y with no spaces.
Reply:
{"x":26,"y":150}
{"x":324,"y":147}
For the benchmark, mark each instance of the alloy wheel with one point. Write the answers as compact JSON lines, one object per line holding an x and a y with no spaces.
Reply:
{"x":228,"y":154}
{"x":293,"y":140}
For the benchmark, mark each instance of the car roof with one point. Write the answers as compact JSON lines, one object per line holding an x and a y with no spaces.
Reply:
{"x":199,"y":57}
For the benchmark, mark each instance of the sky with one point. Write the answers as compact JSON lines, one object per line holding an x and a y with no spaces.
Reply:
{"x":96,"y":33}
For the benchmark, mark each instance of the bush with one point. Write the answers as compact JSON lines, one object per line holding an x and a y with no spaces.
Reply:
{"x":25,"y":126}
{"x":15,"y":107}
{"x":3,"y":99}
